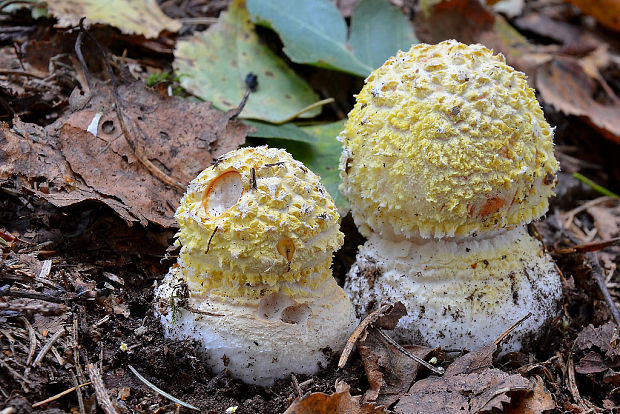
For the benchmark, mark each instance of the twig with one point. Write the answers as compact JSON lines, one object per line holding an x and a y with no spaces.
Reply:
{"x":103,"y":398}
{"x":296,"y":386}
{"x":514,"y":325}
{"x":198,"y":20}
{"x":436,"y":370}
{"x":597,"y":272}
{"x":160,"y":391}
{"x":48,"y":346}
{"x":6,"y":291}
{"x":78,"y":391}
{"x":76,"y":351}
{"x":372,"y":317}
{"x":19,"y":73}
{"x":57,"y":396}
{"x":32,"y":338}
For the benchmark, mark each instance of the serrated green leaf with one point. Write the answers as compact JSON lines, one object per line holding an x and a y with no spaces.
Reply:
{"x":289,"y":131}
{"x":321,"y":157}
{"x":378,"y":31}
{"x":314,"y":32}
{"x":215,"y":63}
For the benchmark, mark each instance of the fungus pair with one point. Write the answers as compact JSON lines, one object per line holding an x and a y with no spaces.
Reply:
{"x":446,"y":157}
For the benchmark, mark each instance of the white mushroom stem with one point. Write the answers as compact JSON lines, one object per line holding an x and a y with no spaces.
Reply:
{"x":260,"y":340}
{"x":460,"y":293}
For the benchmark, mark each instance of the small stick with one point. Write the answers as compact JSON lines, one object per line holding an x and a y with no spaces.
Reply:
{"x":296,"y":385}
{"x":78,"y":391}
{"x":57,"y":396}
{"x":160,"y":391}
{"x":372,"y":317}
{"x":597,"y":272}
{"x":512,"y":328}
{"x":32,"y":338}
{"x":103,"y":398}
{"x":48,"y":346}
{"x":6,"y":291}
{"x":436,"y":370}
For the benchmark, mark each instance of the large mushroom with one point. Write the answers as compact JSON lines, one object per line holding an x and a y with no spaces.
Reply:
{"x":446,"y":157}
{"x":253,"y":283}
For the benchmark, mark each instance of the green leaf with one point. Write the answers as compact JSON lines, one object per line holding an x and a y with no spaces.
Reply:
{"x":215,"y":63}
{"x":378,"y":31}
{"x":290,"y":132}
{"x":315,"y":33}
{"x":322,"y":157}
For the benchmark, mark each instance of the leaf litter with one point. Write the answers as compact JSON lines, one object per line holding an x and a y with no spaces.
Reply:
{"x":65,"y":164}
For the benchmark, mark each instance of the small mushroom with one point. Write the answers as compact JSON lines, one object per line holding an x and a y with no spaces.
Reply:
{"x":446,"y":158}
{"x":253,"y":283}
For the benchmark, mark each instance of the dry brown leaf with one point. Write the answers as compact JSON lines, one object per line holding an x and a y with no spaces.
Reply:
{"x":536,"y":401}
{"x":605,"y":338}
{"x":469,"y":385}
{"x":563,"y":83}
{"x":607,"y":12}
{"x":340,"y":402}
{"x":591,"y":363}
{"x":64,"y":164}
{"x":390,"y":373}
{"x":142,"y":17}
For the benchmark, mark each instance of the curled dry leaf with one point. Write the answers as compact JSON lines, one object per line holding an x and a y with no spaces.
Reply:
{"x":390,"y":373}
{"x":340,"y":402}
{"x":141,"y":17}
{"x":469,"y":385}
{"x":537,"y":401}
{"x":64,"y":164}
{"x":604,"y":339}
{"x":563,"y":83}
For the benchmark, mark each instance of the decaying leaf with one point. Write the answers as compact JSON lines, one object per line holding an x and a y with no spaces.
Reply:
{"x":65,"y":164}
{"x":469,"y":385}
{"x":605,"y":339}
{"x":390,"y":373}
{"x":563,"y":83}
{"x":340,"y":402}
{"x":141,"y":17}
{"x":537,"y":401}
{"x":214,"y":64}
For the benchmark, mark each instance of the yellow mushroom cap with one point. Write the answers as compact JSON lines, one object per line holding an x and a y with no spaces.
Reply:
{"x":256,"y":218}
{"x":446,"y":140}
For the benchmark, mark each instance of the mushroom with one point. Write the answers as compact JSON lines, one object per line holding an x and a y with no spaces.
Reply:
{"x":253,"y":283}
{"x":446,"y":158}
